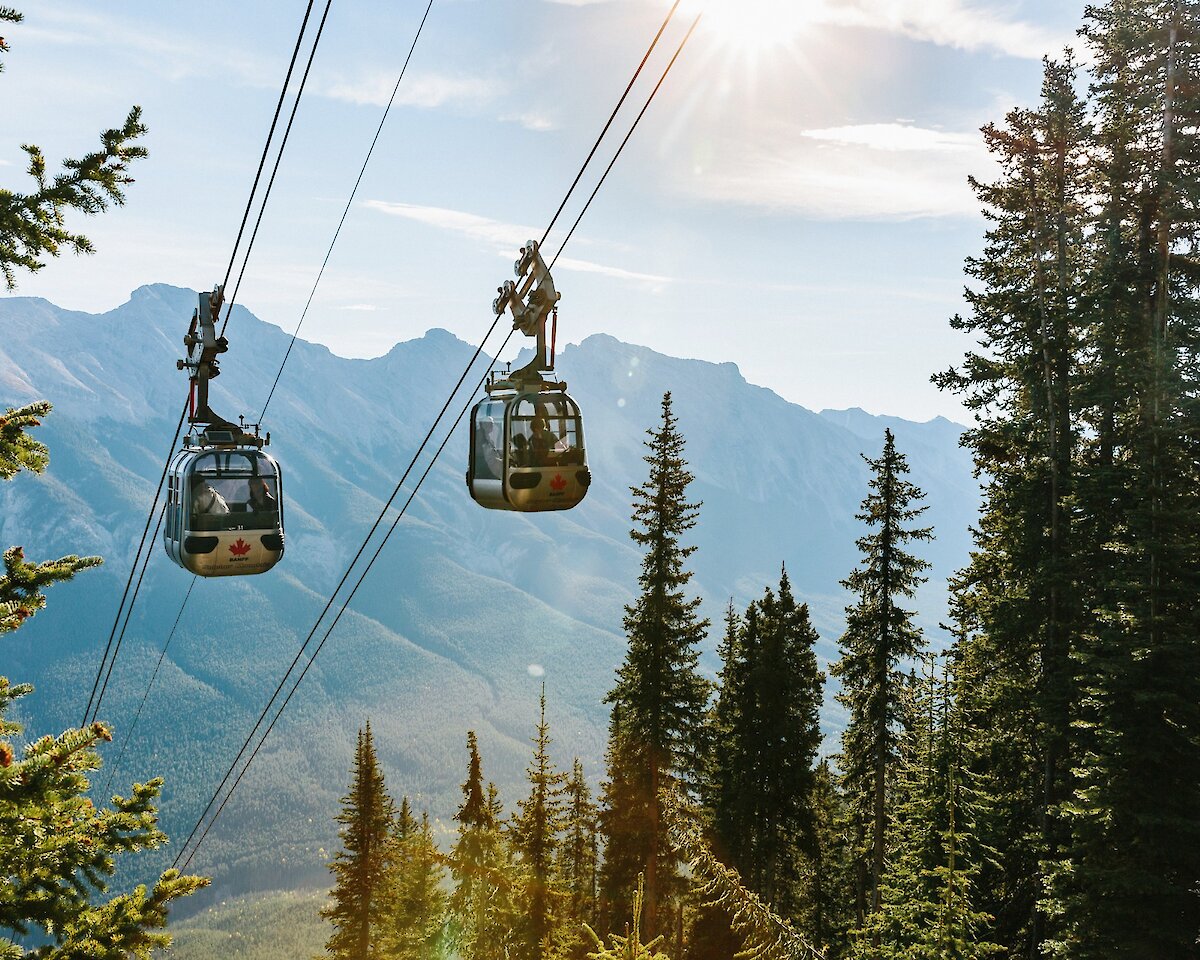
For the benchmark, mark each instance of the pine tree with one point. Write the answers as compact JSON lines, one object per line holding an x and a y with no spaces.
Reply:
{"x":360,"y":867}
{"x":578,"y":859}
{"x":1125,"y":883}
{"x":57,"y":848}
{"x":659,"y":691}
{"x":827,"y":899}
{"x":535,"y":837}
{"x":1018,"y":602}
{"x":766,"y":717}
{"x":32,"y":224}
{"x":488,"y":883}
{"x":879,"y":635}
{"x":414,"y":903}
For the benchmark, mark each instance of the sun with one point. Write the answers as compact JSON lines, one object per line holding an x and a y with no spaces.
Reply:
{"x":753,"y":26}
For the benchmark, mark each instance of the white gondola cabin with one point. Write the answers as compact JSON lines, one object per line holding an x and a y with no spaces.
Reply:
{"x":224,"y":510}
{"x":527,"y":451}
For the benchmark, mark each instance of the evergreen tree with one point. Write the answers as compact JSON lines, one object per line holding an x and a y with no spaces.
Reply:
{"x":659,"y":691}
{"x":535,"y":837}
{"x":827,"y":899}
{"x":32,"y":224}
{"x":927,"y":900}
{"x":1019,"y":603}
{"x":879,"y":635}
{"x":578,"y":859}
{"x":766,"y":716}
{"x":414,"y":903}
{"x":361,"y":866}
{"x":57,"y":848}
{"x":1125,"y":882}
{"x":488,"y":884}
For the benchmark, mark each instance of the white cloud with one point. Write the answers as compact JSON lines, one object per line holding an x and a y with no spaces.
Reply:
{"x":884,"y":171}
{"x":420,"y":90}
{"x":504,"y":237}
{"x":899,"y":136}
{"x":363,"y":307}
{"x":537,"y":122}
{"x":950,"y":23}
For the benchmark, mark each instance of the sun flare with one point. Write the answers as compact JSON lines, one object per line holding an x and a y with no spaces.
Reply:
{"x":752,"y":26}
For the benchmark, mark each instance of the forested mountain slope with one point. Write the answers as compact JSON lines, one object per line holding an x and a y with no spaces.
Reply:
{"x":463,"y":606}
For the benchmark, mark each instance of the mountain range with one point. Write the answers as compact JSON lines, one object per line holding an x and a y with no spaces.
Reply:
{"x":466,"y":613}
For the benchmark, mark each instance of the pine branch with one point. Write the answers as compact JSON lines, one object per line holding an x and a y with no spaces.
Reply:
{"x":767,"y":935}
{"x":32,"y":225}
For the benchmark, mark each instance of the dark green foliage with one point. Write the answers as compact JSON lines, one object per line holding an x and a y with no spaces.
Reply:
{"x":1081,"y":650}
{"x":578,"y":859}
{"x":879,"y":636}
{"x":535,"y":838}
{"x":1019,"y":601}
{"x":57,"y":849}
{"x":827,"y":902}
{"x":414,"y":903}
{"x":32,"y":224}
{"x":928,"y":890}
{"x":485,"y":906}
{"x":659,"y":694}
{"x":766,"y":725}
{"x":359,"y":868}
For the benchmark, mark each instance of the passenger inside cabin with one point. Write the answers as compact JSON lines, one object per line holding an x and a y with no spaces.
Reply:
{"x":260,"y":496}
{"x":206,"y":500}
{"x":542,"y":443}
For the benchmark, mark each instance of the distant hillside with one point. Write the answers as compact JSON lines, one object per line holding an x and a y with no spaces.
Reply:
{"x":463,"y":607}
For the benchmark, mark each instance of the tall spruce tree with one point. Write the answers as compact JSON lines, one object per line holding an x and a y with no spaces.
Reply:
{"x":535,"y":837}
{"x":1018,"y":603}
{"x":659,"y":692}
{"x":360,"y":868}
{"x":766,"y":716}
{"x":488,"y":883}
{"x":879,"y":636}
{"x":579,"y":859}
{"x":57,"y":848}
{"x":1125,"y":883}
{"x":414,"y":903}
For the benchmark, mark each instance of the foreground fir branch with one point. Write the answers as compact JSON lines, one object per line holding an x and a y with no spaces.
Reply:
{"x":33,"y":225}
{"x":767,"y":935}
{"x":21,"y":582}
{"x":629,"y":946}
{"x":57,"y":849}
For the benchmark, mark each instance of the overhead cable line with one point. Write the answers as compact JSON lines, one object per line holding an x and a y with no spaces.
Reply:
{"x":109,"y":646}
{"x":112,"y":767}
{"x":346,"y":211}
{"x":346,"y":602}
{"x":183,"y":861}
{"x":254,"y":233}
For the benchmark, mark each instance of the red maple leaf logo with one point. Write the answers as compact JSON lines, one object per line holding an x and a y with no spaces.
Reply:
{"x":239,"y":549}
{"x":557,"y":483}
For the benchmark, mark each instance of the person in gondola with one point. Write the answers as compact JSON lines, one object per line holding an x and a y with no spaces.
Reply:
{"x":260,"y":496}
{"x":542,"y":443}
{"x":206,"y":499}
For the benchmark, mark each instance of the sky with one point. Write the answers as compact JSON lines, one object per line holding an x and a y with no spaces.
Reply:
{"x":795,"y":199}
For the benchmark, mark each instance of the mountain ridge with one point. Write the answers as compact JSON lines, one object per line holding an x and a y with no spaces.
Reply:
{"x":464,"y":607}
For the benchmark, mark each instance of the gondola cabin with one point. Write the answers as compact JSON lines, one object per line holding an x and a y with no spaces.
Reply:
{"x":527,"y":451}
{"x":224,"y":509}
